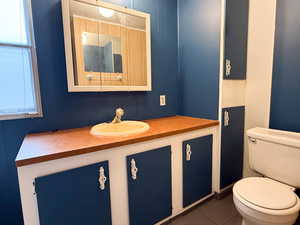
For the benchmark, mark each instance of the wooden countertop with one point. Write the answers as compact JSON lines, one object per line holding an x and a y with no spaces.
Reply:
{"x":47,"y":146}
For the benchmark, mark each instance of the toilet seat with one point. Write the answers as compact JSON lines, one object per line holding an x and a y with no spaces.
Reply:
{"x":266,"y":196}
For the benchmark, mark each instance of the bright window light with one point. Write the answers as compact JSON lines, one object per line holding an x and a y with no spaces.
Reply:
{"x":19,"y":90}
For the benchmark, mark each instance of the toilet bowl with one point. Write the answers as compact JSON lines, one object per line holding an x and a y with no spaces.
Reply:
{"x":263,"y":201}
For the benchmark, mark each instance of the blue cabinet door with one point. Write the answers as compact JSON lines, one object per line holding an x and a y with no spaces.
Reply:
{"x":149,"y":192}
{"x":236,"y":36}
{"x":232,"y":145}
{"x":74,"y":197}
{"x":197,"y":169}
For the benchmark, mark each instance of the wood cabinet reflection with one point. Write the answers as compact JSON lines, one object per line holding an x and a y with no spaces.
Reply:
{"x":128,"y":63}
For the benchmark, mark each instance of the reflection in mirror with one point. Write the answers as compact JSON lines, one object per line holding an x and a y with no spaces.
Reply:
{"x":110,"y":46}
{"x":102,"y":53}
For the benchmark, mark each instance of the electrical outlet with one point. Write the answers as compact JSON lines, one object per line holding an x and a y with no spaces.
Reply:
{"x":162,"y":99}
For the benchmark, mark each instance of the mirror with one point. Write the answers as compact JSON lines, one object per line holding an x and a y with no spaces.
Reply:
{"x":107,"y":47}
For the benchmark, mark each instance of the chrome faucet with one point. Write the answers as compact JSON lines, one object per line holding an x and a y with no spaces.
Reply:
{"x":118,"y":116}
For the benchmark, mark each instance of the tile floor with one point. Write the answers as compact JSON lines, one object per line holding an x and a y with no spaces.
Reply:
{"x":213,"y":212}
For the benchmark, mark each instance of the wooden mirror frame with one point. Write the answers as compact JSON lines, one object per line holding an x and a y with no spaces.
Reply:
{"x":69,"y":49}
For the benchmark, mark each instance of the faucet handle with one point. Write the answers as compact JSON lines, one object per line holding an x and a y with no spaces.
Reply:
{"x":119,"y":112}
{"x":118,"y":116}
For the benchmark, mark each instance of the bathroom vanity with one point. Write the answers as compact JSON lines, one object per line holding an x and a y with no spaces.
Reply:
{"x":72,"y":177}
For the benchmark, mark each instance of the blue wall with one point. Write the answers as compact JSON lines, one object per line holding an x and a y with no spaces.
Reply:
{"x":199,"y":39}
{"x":285,"y":104}
{"x":68,"y":110}
{"x":191,"y":85}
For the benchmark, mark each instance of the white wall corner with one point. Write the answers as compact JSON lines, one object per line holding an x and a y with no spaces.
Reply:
{"x":261,"y":35}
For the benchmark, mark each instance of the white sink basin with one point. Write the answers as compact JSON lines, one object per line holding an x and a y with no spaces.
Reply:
{"x":123,"y":128}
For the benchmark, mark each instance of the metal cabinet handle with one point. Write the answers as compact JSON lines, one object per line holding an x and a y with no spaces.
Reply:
{"x":134,"y":169}
{"x":228,"y":67}
{"x":102,"y":178}
{"x":253,"y":140}
{"x":226,"y":118}
{"x":188,"y":152}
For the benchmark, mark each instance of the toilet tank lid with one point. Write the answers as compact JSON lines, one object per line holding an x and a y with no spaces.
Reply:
{"x":266,"y":193}
{"x":275,"y":136}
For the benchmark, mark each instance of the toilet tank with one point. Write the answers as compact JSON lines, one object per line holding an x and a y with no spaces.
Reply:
{"x":275,"y":154}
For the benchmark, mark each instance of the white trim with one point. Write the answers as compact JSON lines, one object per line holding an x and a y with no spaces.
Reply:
{"x":262,"y":23}
{"x":268,"y":113}
{"x":148,"y":45}
{"x":114,"y":7}
{"x":69,"y":50}
{"x":233,"y":93}
{"x":14,"y":116}
{"x":222,"y":50}
{"x":108,"y":88}
{"x":34,"y":64}
{"x":107,"y":22}
{"x":65,"y":5}
{"x":34,"y":67}
{"x":221,"y":71}
{"x":16,"y":45}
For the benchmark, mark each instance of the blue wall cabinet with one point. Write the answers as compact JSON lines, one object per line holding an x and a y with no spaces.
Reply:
{"x":236,"y":36}
{"x":197,"y":169}
{"x":149,"y":186}
{"x":75,"y":197}
{"x":232,"y":145}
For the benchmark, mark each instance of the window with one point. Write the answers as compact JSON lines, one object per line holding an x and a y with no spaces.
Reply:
{"x":19,"y":88}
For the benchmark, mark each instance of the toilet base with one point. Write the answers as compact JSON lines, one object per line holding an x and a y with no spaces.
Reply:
{"x":247,"y":222}
{"x":253,"y":217}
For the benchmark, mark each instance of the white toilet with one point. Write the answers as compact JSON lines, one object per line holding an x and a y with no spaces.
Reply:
{"x":270,"y":200}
